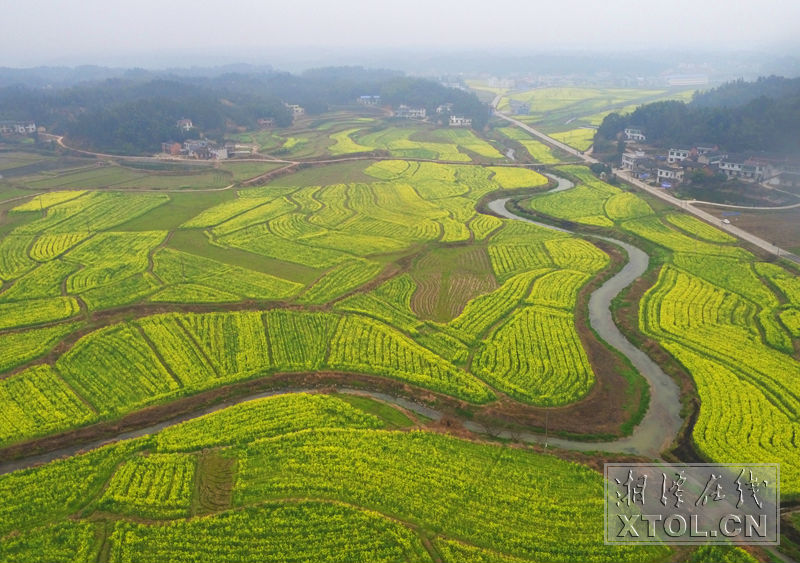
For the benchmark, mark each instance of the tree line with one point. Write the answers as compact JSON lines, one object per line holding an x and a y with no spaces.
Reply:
{"x":133,"y":116}
{"x":738,"y":116}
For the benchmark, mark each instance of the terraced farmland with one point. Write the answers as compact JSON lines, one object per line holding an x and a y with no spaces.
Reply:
{"x":379,"y":275}
{"x":476,"y":496}
{"x":724,"y":315}
{"x":435,"y":144}
{"x":349,"y":229}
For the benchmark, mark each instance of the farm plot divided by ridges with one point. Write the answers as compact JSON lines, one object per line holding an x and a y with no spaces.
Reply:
{"x":329,"y":483}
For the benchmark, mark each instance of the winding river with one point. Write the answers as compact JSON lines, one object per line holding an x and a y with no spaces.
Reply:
{"x":656,"y":431}
{"x":662,"y":421}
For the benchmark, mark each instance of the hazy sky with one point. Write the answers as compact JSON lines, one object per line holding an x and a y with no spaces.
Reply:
{"x":105,"y":31}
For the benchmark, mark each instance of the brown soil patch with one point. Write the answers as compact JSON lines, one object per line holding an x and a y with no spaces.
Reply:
{"x":448,"y":278}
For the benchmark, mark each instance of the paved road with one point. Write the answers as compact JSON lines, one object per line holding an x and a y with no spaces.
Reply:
{"x":544,"y":137}
{"x":747,"y":207}
{"x":661,"y":194}
{"x":706,"y":216}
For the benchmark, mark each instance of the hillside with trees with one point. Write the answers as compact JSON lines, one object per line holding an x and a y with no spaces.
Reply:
{"x":738,"y":116}
{"x":134,"y":114}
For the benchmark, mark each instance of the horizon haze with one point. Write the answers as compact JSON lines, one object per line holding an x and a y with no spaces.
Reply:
{"x":181,"y":33}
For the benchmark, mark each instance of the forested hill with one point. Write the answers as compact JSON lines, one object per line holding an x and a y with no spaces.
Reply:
{"x":739,"y":116}
{"x":739,"y":92}
{"x":133,"y":116}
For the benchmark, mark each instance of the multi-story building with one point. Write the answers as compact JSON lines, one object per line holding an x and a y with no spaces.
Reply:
{"x":743,"y":167}
{"x":369,"y":100}
{"x":295,"y":109}
{"x":678,"y":155}
{"x":410,"y":113}
{"x":460,"y":121}
{"x":669,"y":174}
{"x":17,"y":127}
{"x":635,"y":134}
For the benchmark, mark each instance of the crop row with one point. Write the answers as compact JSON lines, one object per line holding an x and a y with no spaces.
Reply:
{"x":577,"y":254}
{"x":96,"y":211}
{"x":264,"y":418}
{"x":557,"y":289}
{"x":257,"y":215}
{"x":390,"y":303}
{"x":398,"y":142}
{"x":654,"y":230}
{"x":484,"y":311}
{"x":50,"y":245}
{"x":470,"y":491}
{"x":512,"y":177}
{"x":626,"y":205}
{"x":537,"y":357}
{"x":154,"y":486}
{"x":259,"y":240}
{"x":737,"y":423}
{"x":713,"y":333}
{"x":19,"y":347}
{"x":581,"y":204}
{"x":340,"y":280}
{"x":787,"y":283}
{"x":109,"y":257}
{"x":698,"y":228}
{"x":483,"y":225}
{"x":467,"y":139}
{"x":176,"y":267}
{"x":363,"y":486}
{"x":272,"y":532}
{"x":115,"y":370}
{"x":371,"y":305}
{"x":37,"y":311}
{"x":14,"y":258}
{"x":37,"y":402}
{"x":512,"y":259}
{"x":129,"y":366}
{"x":720,"y":324}
{"x":344,"y":143}
{"x":223,"y":212}
{"x":121,"y":291}
{"x":48,"y":493}
{"x":43,"y":281}
{"x":47,"y":200}
{"x":367,"y":346}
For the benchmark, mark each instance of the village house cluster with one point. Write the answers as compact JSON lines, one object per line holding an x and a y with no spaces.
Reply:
{"x":679,"y":164}
{"x":200,"y":149}
{"x":421,"y":114}
{"x":17,"y":127}
{"x":206,"y":149}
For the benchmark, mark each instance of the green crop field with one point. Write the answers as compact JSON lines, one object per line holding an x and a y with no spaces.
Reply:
{"x":344,"y":362}
{"x":557,"y":108}
{"x":581,"y":138}
{"x":718,"y":311}
{"x":296,"y":484}
{"x":349,"y":233}
{"x":423,"y":143}
{"x":537,"y":150}
{"x":345,"y":144}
